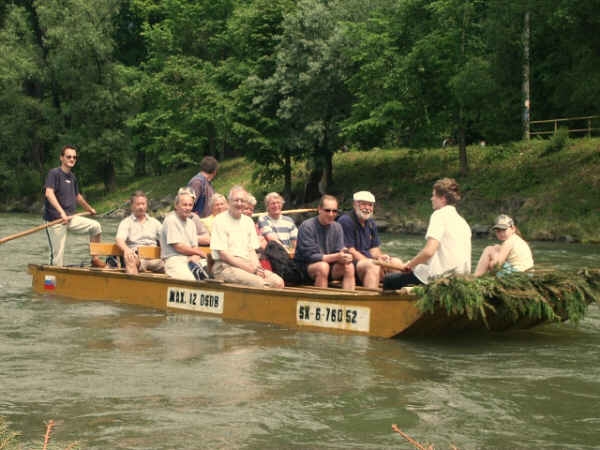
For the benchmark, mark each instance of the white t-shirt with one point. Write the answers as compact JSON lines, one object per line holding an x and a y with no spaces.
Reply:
{"x":454,"y":252}
{"x":236,"y":236}
{"x":520,"y":257}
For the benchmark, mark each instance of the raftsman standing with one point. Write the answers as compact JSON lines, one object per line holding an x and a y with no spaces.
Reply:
{"x":62,"y":196}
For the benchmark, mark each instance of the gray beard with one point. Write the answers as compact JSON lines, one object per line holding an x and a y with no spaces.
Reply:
{"x":362,"y":216}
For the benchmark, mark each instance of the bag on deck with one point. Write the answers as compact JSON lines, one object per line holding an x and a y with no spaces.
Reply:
{"x":282,"y":264}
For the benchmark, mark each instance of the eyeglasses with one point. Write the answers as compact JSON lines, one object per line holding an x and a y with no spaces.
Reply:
{"x":70,"y":157}
{"x":327,"y":210}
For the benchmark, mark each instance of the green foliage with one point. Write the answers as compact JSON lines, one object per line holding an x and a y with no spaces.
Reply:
{"x":558,"y":141}
{"x":544,"y":296}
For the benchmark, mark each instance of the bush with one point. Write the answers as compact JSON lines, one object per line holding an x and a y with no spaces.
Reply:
{"x":557,"y":142}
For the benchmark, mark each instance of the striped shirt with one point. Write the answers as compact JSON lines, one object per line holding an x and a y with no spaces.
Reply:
{"x":284,"y":228}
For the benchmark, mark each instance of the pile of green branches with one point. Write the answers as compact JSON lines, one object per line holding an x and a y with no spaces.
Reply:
{"x":546,"y":295}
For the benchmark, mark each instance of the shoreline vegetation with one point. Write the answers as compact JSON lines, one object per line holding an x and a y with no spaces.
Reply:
{"x":549,"y":187}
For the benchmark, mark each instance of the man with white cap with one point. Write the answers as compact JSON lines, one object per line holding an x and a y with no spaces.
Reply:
{"x":362,"y":240}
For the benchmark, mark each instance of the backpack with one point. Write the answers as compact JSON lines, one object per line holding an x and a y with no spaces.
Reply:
{"x":282,"y":264}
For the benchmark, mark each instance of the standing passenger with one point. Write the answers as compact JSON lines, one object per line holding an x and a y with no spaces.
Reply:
{"x":448,"y":246}
{"x":62,"y":196}
{"x":201,"y":186}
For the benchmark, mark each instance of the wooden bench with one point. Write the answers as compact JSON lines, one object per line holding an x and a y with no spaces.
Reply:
{"x":144,"y":251}
{"x":112,"y":249}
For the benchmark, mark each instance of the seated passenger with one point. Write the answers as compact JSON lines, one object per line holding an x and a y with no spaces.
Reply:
{"x":362,"y":240}
{"x":513,"y":255}
{"x":137,"y":230}
{"x":201,"y":231}
{"x":234,"y":242}
{"x":218,"y":204}
{"x":249,"y":211}
{"x":179,"y":241}
{"x":448,"y":246}
{"x":276,"y":227}
{"x":320,"y":251}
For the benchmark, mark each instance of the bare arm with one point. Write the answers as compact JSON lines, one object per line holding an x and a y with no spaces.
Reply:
{"x":204,"y":238}
{"x":342,"y":256}
{"x":356,"y":254}
{"x":51,"y":196}
{"x":249,"y":265}
{"x":424,"y":255}
{"x":85,"y":205}
{"x":187,"y":250}
{"x":505,"y":249}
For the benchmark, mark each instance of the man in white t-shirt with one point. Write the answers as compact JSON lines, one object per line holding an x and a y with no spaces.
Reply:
{"x":448,"y":247}
{"x":233,"y":243}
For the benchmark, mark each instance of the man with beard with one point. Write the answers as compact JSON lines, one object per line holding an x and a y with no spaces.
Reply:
{"x":139,"y":229}
{"x":362,"y":240}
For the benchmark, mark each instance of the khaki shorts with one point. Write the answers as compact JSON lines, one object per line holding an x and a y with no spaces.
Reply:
{"x":229,"y":274}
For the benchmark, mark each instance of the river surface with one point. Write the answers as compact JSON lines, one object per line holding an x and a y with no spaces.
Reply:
{"x":120,"y":377}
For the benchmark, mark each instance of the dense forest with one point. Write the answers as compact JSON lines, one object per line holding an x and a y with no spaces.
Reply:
{"x":145,"y":87}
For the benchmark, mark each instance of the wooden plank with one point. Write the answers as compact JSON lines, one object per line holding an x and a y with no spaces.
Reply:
{"x":149,"y":252}
{"x":105,"y":249}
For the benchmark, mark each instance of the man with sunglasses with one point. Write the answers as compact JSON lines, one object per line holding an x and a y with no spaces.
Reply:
{"x":320,"y":251}
{"x":62,"y":197}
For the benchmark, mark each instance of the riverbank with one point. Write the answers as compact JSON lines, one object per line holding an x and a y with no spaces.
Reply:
{"x":549,"y":187}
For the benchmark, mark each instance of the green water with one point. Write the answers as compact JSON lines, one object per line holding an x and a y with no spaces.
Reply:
{"x":118,"y":377}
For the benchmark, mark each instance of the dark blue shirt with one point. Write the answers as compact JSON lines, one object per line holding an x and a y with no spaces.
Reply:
{"x":362,"y":238}
{"x":316,"y":240}
{"x":66,"y":190}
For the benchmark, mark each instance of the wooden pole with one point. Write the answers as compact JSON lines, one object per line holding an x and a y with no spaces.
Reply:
{"x":289,"y":211}
{"x":38,"y":228}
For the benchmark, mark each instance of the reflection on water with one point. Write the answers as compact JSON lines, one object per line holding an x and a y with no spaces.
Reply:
{"x":121,"y":377}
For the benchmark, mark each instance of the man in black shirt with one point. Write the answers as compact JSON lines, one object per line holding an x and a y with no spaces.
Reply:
{"x":62,"y":196}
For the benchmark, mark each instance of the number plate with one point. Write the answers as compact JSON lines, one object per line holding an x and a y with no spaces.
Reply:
{"x":331,"y":315}
{"x":195,"y":300}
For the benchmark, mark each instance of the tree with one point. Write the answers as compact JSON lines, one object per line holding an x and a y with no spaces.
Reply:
{"x":308,"y":88}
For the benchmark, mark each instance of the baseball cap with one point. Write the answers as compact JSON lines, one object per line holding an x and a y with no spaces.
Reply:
{"x":503,"y":222}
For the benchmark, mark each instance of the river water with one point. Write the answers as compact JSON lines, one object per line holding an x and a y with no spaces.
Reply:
{"x":120,"y":377}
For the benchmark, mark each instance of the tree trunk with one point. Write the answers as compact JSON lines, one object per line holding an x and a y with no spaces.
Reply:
{"x":526,"y":77}
{"x":311,"y":188}
{"x":462,"y":151}
{"x":109,"y":175}
{"x":140,"y":163}
{"x":287,"y":176}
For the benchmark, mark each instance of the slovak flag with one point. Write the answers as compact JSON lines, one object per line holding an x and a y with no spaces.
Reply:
{"x":49,"y":282}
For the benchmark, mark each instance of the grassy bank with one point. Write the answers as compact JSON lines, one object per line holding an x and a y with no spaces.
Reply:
{"x":552,"y":193}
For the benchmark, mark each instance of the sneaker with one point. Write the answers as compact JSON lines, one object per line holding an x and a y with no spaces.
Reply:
{"x":198,"y":271}
{"x":97,"y":262}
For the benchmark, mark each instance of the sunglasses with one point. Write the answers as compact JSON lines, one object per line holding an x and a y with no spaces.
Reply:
{"x":335,"y":211}
{"x":71,"y":157}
